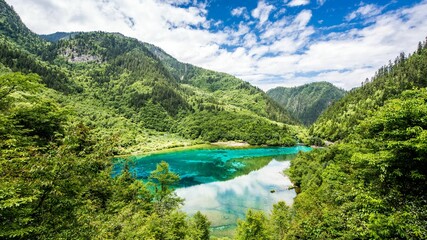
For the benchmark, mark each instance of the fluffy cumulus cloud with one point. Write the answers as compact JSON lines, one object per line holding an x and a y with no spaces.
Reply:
{"x":266,"y":49}
{"x":262,"y":12}
{"x":294,"y":3}
{"x":238,"y":11}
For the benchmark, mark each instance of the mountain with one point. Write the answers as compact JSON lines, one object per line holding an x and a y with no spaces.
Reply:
{"x":24,"y":51}
{"x":55,"y":37}
{"x":14,"y":29}
{"x":342,"y":118}
{"x":308,"y":101}
{"x":119,"y":85}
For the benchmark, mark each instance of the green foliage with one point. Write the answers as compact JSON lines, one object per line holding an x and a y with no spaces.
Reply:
{"x":254,"y":227}
{"x":371,"y":186}
{"x":55,"y":180}
{"x":307,"y":102}
{"x":12,"y":56}
{"x":200,"y":227}
{"x":226,"y":126}
{"x":164,"y":179}
{"x":397,"y":133}
{"x":280,"y":220}
{"x":11,"y":83}
{"x":34,"y":183}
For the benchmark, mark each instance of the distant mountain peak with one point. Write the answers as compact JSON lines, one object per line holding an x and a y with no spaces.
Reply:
{"x":308,"y":101}
{"x":12,"y":27}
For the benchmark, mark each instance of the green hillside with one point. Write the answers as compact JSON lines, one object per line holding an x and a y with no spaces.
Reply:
{"x":126,"y":76}
{"x":12,"y":27}
{"x":308,"y":101}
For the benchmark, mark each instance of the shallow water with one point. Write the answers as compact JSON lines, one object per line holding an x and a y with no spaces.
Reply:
{"x":224,"y":183}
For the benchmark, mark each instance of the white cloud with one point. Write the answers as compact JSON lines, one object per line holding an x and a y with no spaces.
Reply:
{"x":238,"y":11}
{"x":321,"y":2}
{"x":295,"y":3}
{"x":303,"y":18}
{"x":177,"y":2}
{"x":364,"y":11}
{"x":262,"y":12}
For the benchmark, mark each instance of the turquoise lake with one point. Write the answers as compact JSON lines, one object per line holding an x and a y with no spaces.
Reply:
{"x":224,"y":183}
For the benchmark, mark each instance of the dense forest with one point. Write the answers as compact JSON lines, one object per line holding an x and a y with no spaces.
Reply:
{"x":56,"y":182}
{"x":68,"y":105}
{"x":308,"y":101}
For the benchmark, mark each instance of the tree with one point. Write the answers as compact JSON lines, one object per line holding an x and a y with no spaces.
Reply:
{"x":255,"y":227}
{"x":163,"y":180}
{"x":17,"y":82}
{"x":200,"y":227}
{"x":280,"y":220}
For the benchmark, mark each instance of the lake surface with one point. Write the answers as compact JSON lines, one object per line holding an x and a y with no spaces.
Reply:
{"x":224,"y":183}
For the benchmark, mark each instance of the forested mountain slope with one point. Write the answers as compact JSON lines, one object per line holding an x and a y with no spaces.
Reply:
{"x":308,"y":101}
{"x":118,"y":85}
{"x":125,"y":75}
{"x":224,"y":88}
{"x":12,"y":27}
{"x":405,"y":73}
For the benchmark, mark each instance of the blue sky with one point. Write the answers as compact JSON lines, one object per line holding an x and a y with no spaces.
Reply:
{"x":268,"y":43}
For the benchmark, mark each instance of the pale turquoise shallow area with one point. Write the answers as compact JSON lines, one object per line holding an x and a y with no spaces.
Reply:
{"x":198,"y":166}
{"x":224,"y":183}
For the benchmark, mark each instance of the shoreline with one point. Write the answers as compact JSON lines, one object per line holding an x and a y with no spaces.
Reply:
{"x":231,"y":144}
{"x":228,"y":145}
{"x":214,"y":145}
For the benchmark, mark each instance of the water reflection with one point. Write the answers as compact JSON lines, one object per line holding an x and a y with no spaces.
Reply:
{"x":225,"y":202}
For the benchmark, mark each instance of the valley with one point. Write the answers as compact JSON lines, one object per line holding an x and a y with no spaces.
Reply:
{"x":103,"y":136}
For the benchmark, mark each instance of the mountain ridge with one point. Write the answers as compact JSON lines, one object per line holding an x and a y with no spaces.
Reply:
{"x":308,"y":101}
